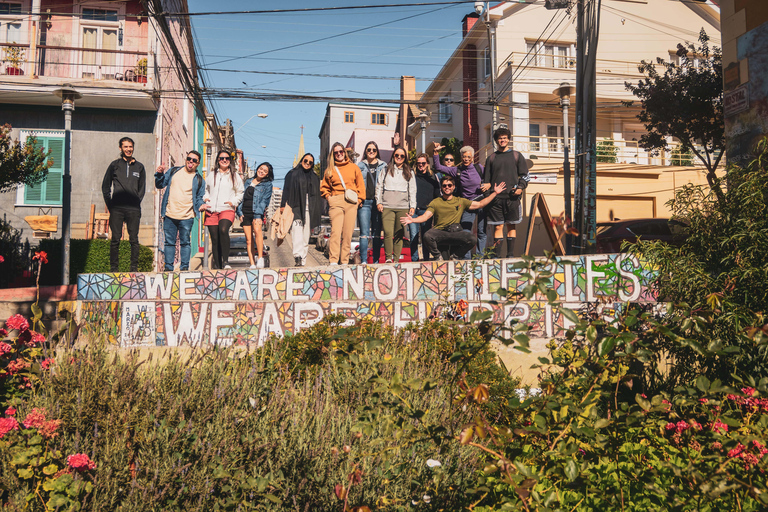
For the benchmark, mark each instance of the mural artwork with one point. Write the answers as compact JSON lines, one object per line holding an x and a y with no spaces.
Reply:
{"x":247,"y":306}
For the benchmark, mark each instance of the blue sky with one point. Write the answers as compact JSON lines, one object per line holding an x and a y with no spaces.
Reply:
{"x":395,"y":41}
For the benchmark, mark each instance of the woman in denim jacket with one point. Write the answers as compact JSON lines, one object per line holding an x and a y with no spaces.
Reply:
{"x":258,"y":193}
{"x":368,"y":217}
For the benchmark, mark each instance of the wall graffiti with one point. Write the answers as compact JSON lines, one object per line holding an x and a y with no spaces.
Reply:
{"x":247,"y":306}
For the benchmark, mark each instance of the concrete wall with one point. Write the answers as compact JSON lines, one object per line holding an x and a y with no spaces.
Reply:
{"x":95,"y":137}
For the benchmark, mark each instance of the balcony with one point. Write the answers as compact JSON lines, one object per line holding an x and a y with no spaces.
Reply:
{"x":608,"y":151}
{"x":77,"y":64}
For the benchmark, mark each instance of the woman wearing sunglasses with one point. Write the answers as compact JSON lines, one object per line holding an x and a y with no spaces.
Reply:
{"x":258,"y":192}
{"x":368,"y":216}
{"x":223,"y":194}
{"x":344,"y":189}
{"x":395,"y":198}
{"x":301,"y":191}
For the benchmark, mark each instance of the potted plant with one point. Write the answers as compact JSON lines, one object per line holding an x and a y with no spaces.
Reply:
{"x":14,"y":55}
{"x":141,"y":71}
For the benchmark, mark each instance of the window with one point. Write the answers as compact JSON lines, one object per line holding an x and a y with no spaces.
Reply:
{"x":99,"y":31}
{"x":349,"y":117}
{"x":10,"y":28}
{"x":444,"y":114}
{"x":48,"y":192}
{"x":380,"y":119}
{"x":552,"y":135}
{"x":486,"y":62}
{"x":551,"y":55}
{"x":533,"y":132}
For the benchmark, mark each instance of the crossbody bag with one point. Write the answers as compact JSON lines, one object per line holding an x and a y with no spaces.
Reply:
{"x":350,"y":196}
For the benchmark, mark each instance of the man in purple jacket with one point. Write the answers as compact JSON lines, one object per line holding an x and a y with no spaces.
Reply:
{"x":469,"y":185}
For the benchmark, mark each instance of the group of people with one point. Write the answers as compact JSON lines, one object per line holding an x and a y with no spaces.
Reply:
{"x":439,"y":205}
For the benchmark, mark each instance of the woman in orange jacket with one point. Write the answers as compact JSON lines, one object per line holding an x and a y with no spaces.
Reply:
{"x":344,"y":189}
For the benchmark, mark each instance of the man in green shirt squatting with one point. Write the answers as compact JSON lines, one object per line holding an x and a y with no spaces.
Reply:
{"x":447,"y":211}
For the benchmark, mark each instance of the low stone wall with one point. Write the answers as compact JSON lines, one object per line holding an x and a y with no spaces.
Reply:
{"x":246,"y":306}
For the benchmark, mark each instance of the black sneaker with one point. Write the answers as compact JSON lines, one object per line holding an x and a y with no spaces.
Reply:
{"x":298,"y":261}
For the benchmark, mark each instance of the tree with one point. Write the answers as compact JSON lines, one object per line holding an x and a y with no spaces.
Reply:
{"x":686,"y":102}
{"x":21,"y":163}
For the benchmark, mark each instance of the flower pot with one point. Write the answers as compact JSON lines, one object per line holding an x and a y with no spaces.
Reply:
{"x":142,"y":79}
{"x":10,"y":70}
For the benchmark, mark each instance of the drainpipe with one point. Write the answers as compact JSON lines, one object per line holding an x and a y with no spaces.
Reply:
{"x":32,"y":69}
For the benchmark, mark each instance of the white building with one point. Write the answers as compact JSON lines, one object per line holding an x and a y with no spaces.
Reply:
{"x":354,"y":125}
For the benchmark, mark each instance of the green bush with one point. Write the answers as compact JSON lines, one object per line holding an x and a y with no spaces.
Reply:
{"x":607,"y":151}
{"x":87,"y":257}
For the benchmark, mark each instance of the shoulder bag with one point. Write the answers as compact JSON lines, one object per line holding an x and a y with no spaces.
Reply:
{"x":350,"y":196}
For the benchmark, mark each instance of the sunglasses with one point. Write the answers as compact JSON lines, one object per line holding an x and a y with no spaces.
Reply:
{"x":310,"y":162}
{"x":422,"y":163}
{"x":398,"y":155}
{"x":370,"y":150}
{"x":340,"y":152}
{"x":449,"y":159}
{"x":224,"y":159}
{"x":447,"y":185}
{"x":193,"y":160}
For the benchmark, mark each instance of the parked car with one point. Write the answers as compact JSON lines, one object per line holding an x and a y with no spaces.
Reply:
{"x":610,"y":235}
{"x":355,"y":243}
{"x":323,"y":229}
{"x":238,"y":253}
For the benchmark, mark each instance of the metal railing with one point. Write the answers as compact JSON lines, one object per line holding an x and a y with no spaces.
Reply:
{"x":554,"y":61}
{"x":78,"y":63}
{"x":608,"y":151}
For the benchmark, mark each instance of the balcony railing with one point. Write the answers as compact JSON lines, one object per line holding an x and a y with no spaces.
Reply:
{"x":78,"y":63}
{"x":553,"y":61}
{"x":608,"y":151}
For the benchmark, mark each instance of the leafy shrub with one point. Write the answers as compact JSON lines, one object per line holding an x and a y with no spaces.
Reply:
{"x":89,"y":256}
{"x":607,"y":151}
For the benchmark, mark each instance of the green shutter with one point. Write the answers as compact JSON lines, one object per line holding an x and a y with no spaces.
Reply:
{"x":49,"y":192}
{"x":55,"y":180}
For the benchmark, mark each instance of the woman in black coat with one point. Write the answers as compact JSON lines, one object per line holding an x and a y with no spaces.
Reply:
{"x":301,"y":191}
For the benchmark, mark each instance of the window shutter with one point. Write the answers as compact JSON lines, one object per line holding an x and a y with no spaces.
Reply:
{"x":55,"y":180}
{"x":34,"y":194}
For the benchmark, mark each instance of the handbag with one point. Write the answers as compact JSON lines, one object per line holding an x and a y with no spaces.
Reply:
{"x":350,"y":196}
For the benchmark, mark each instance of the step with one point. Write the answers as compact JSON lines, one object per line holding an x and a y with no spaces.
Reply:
{"x":247,"y":306}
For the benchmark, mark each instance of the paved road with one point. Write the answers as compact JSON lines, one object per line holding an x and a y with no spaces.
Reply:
{"x":283,"y":256}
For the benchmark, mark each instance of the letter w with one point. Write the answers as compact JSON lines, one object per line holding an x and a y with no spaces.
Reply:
{"x":194,"y":331}
{"x":162,"y":283}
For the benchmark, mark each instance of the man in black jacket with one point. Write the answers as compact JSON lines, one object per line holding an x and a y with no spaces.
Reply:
{"x":123,"y":189}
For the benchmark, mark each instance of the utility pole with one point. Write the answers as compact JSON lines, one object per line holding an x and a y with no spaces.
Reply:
{"x":587,"y":31}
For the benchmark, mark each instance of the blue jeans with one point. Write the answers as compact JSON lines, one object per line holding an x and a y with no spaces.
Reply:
{"x":369,"y":222}
{"x":171,"y":229}
{"x":467,"y":221}
{"x":415,"y":229}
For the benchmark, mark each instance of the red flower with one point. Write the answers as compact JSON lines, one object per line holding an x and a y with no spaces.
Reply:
{"x":80,"y":462}
{"x":718,"y":427}
{"x":35,"y":338}
{"x":10,"y":411}
{"x":42,"y":256}
{"x":5,"y":348}
{"x":3,"y":333}
{"x":6,"y":425}
{"x":35,"y":419}
{"x":2,"y":259}
{"x":46,"y":363}
{"x":17,"y":322}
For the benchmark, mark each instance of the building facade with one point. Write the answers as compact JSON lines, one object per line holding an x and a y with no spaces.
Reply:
{"x":354,"y":125}
{"x":136,"y":74}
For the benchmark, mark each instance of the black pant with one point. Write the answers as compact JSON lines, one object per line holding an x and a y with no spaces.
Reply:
{"x":220,"y":243}
{"x":460,"y":242}
{"x":131,"y":217}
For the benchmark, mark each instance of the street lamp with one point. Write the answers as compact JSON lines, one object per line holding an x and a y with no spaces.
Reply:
{"x":263,"y":116}
{"x":564,"y":93}
{"x":483,"y":9}
{"x":68,"y":97}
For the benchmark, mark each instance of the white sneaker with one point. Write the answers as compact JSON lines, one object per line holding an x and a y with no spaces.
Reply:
{"x":253,"y":266}
{"x":260,"y":263}
{"x":227,"y":267}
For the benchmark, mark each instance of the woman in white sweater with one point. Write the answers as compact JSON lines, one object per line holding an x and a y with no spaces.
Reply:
{"x":395,"y":198}
{"x":223,"y":193}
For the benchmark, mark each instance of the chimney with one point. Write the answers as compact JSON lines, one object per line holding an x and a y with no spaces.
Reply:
{"x":468,"y":22}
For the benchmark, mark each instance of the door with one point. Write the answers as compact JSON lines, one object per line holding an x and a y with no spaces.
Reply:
{"x":99,"y":65}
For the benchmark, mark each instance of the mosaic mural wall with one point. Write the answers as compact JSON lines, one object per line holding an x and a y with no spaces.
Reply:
{"x":246,"y":306}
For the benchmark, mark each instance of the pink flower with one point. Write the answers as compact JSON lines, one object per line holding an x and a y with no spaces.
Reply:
{"x":6,"y":425}
{"x":2,"y":259}
{"x":735,"y":452}
{"x":718,"y":427}
{"x":5,"y":348}
{"x":10,"y":411}
{"x":3,"y":332}
{"x":703,"y":400}
{"x":42,"y":256}
{"x":682,"y":426}
{"x":80,"y":462}
{"x":35,"y":419}
{"x":17,"y":322}
{"x":16,"y":366}
{"x":46,"y":363}
{"x":35,"y":339}
{"x":670,"y":426}
{"x":49,"y":428}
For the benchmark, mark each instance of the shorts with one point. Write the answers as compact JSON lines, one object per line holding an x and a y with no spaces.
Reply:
{"x":504,"y":211}
{"x":249,"y":218}
{"x":212,"y":219}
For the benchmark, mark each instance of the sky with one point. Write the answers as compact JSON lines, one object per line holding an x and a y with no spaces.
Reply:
{"x":389,"y":42}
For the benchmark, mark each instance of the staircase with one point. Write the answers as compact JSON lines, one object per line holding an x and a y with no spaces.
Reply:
{"x":227,"y":307}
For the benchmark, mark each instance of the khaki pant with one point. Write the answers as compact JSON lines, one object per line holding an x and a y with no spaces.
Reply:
{"x":343,"y":216}
{"x":393,"y":232}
